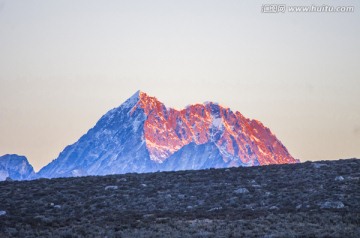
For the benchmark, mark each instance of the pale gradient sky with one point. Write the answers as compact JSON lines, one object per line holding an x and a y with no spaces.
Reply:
{"x":63,"y":64}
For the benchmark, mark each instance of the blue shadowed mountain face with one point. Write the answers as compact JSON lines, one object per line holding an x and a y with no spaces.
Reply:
{"x":114,"y":146}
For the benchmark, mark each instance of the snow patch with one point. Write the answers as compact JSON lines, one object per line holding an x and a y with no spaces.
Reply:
{"x":217,"y":122}
{"x":136,"y":124}
{"x":111,"y":187}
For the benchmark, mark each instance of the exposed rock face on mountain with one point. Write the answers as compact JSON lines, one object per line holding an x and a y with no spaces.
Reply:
{"x":142,"y":135}
{"x":15,"y":167}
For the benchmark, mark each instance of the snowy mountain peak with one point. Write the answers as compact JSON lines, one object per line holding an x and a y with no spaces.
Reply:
{"x":143,"y":135}
{"x":130,"y":102}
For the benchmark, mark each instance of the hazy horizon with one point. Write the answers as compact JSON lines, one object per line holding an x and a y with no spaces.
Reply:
{"x":63,"y":64}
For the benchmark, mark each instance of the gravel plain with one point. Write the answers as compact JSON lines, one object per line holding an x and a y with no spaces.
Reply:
{"x":311,"y":199}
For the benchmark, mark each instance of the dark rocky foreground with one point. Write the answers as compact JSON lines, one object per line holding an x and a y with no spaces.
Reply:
{"x":301,"y":200}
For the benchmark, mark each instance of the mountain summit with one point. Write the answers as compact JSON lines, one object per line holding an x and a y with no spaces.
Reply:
{"x":142,"y":135}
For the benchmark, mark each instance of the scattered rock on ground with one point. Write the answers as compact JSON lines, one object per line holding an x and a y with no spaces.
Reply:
{"x":319,"y":165}
{"x":336,"y":204}
{"x":339,"y":178}
{"x":241,"y":190}
{"x":181,"y":196}
{"x":215,"y":209}
{"x":111,"y":187}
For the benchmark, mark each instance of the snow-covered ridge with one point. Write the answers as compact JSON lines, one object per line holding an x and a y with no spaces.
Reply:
{"x":166,"y":130}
